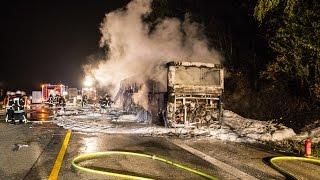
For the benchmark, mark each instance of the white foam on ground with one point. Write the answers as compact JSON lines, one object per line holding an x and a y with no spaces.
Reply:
{"x":234,"y":128}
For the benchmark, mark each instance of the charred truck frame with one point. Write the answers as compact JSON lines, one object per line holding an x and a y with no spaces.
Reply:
{"x":192,"y":96}
{"x":194,"y":93}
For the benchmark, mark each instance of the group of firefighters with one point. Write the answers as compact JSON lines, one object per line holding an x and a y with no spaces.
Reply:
{"x":105,"y":101}
{"x":16,"y":103}
{"x":57,"y":101}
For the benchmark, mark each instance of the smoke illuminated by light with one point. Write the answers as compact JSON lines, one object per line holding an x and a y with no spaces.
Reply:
{"x":136,"y":51}
{"x":88,"y":81}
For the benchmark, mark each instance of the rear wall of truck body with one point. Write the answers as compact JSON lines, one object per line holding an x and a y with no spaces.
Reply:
{"x":194,"y":93}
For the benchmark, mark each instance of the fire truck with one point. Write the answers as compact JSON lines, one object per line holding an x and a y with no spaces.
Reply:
{"x":51,"y":89}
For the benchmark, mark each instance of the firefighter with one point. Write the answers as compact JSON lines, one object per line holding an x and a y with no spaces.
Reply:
{"x":109,"y":101}
{"x":19,"y":106}
{"x":103,"y":102}
{"x":62,"y":103}
{"x":50,"y":100}
{"x":22,"y":100}
{"x":6,"y":99}
{"x":9,"y":106}
{"x":84,"y":100}
{"x":26,"y":100}
{"x":57,"y":99}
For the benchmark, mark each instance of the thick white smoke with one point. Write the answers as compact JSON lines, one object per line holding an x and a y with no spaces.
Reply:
{"x":135,"y":51}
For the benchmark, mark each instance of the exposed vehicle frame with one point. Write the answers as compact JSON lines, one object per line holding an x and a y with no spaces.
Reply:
{"x":194,"y":93}
{"x":192,"y":96}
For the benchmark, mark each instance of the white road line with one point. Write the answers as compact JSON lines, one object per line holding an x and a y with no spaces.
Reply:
{"x":226,"y":167}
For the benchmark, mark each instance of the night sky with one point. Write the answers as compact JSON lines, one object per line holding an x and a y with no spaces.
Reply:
{"x":48,"y":41}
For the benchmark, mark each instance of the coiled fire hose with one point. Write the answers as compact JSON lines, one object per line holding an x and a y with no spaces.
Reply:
{"x":90,"y":156}
{"x":291,"y":158}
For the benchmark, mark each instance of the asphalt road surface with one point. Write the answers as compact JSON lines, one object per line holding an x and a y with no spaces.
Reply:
{"x":29,"y":151}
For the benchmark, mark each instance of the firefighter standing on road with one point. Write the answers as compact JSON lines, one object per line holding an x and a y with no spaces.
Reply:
{"x":103,"y":102}
{"x":19,"y":106}
{"x":53,"y":100}
{"x":6,"y":99}
{"x":50,"y":100}
{"x":62,"y":103}
{"x":84,"y":100}
{"x":109,"y":101}
{"x":9,"y":106}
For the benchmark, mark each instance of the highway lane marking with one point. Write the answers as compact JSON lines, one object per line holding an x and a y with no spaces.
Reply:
{"x":226,"y":167}
{"x":57,"y":165}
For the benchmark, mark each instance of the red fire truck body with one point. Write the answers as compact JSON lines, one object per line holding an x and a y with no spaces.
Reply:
{"x":48,"y":89}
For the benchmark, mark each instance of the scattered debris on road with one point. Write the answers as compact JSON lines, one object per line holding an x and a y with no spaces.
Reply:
{"x":17,"y":147}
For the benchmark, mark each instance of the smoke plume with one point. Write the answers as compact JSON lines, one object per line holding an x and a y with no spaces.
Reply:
{"x":135,"y":50}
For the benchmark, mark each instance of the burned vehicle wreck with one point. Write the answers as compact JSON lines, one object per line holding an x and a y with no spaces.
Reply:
{"x":191,"y":96}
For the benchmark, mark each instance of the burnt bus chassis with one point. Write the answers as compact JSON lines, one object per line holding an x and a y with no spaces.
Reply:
{"x":179,"y":105}
{"x":193,"y":110}
{"x":193,"y":105}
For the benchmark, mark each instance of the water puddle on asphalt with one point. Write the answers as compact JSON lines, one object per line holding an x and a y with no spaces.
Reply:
{"x":41,"y":113}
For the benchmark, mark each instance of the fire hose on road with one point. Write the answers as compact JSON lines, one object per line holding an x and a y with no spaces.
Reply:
{"x":291,"y":158}
{"x":97,"y":155}
{"x":308,"y":159}
{"x":273,"y":162}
